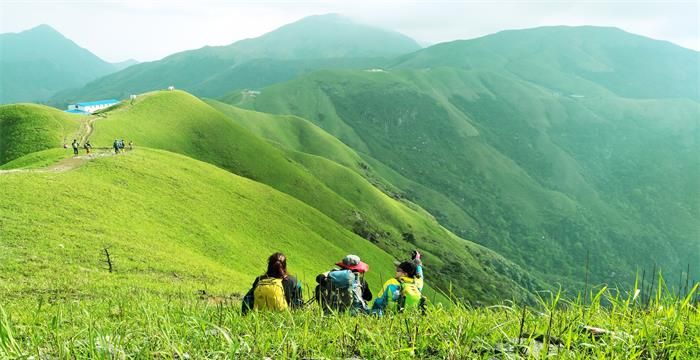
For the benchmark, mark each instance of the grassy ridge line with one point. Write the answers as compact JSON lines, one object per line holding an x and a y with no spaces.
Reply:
{"x":179,"y":122}
{"x":299,"y":134}
{"x":216,"y":237}
{"x":28,"y":128}
{"x":292,"y":132}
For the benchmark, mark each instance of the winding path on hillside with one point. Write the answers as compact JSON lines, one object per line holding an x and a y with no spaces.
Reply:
{"x":64,"y":165}
{"x":73,"y":162}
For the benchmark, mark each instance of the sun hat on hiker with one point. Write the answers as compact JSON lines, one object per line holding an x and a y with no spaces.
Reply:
{"x":353,"y":262}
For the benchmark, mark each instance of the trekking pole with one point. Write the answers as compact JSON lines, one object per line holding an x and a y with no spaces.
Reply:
{"x":310,"y":301}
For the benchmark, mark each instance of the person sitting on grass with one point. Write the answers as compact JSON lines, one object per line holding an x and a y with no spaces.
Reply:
{"x":344,"y":288}
{"x":275,"y":290}
{"x":404,"y":290}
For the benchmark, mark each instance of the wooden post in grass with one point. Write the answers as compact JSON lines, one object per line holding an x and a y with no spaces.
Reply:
{"x":109,"y":259}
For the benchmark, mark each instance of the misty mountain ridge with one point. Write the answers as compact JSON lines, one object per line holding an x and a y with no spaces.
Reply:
{"x":38,"y":62}
{"x":569,"y":58}
{"x":310,"y":44}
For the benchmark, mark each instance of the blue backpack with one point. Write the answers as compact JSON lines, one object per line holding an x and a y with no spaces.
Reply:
{"x":340,"y":291}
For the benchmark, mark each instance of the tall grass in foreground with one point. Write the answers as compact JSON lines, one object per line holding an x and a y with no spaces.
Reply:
{"x":143,"y":326}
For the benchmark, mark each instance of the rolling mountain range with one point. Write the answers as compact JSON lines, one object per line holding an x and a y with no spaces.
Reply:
{"x":548,"y":157}
{"x":516,"y":161}
{"x":313,"y":43}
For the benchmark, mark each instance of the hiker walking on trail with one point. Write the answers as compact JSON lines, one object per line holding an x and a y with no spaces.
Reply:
{"x":131,"y":145}
{"x":344,"y":288}
{"x":275,"y":290}
{"x":75,"y":146}
{"x":87,"y":146}
{"x":404,"y":290}
{"x":115,"y":145}
{"x":121,"y":145}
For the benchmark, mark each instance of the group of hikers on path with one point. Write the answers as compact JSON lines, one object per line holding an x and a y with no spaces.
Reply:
{"x":75,"y":145}
{"x":342,"y":289}
{"x":118,"y":146}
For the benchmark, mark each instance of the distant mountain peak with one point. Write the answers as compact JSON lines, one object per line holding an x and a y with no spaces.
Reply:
{"x":38,"y":62}
{"x":43,"y":29}
{"x":325,"y":36}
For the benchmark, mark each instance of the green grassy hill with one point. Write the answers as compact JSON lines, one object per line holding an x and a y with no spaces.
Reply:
{"x":547,"y":177}
{"x":28,"y":128}
{"x":172,"y":224}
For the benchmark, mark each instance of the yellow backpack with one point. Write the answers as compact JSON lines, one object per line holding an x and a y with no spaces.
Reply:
{"x":269,"y":295}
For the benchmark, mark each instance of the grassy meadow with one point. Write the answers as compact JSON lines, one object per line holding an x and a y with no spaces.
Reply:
{"x":138,"y":325}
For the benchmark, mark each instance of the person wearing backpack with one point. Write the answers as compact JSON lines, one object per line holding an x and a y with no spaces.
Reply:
{"x":87,"y":146}
{"x":75,"y":145}
{"x":344,"y":288}
{"x":404,"y":291}
{"x":275,"y":290}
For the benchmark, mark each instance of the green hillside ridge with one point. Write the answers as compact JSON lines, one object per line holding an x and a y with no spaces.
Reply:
{"x":292,"y":132}
{"x":28,"y":128}
{"x":301,"y":135}
{"x":312,"y":43}
{"x":179,"y":122}
{"x":172,"y":224}
{"x":544,"y":175}
{"x":38,"y":62}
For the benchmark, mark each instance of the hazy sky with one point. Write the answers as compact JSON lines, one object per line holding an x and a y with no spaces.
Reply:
{"x":148,"y":30}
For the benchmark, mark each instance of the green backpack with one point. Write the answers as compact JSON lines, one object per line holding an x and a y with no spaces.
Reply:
{"x":410,"y":296}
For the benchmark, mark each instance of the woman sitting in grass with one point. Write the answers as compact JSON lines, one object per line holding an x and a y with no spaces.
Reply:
{"x":404,"y":290}
{"x":275,"y":290}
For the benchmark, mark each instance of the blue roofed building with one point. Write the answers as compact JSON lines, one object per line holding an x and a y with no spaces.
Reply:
{"x":90,"y":106}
